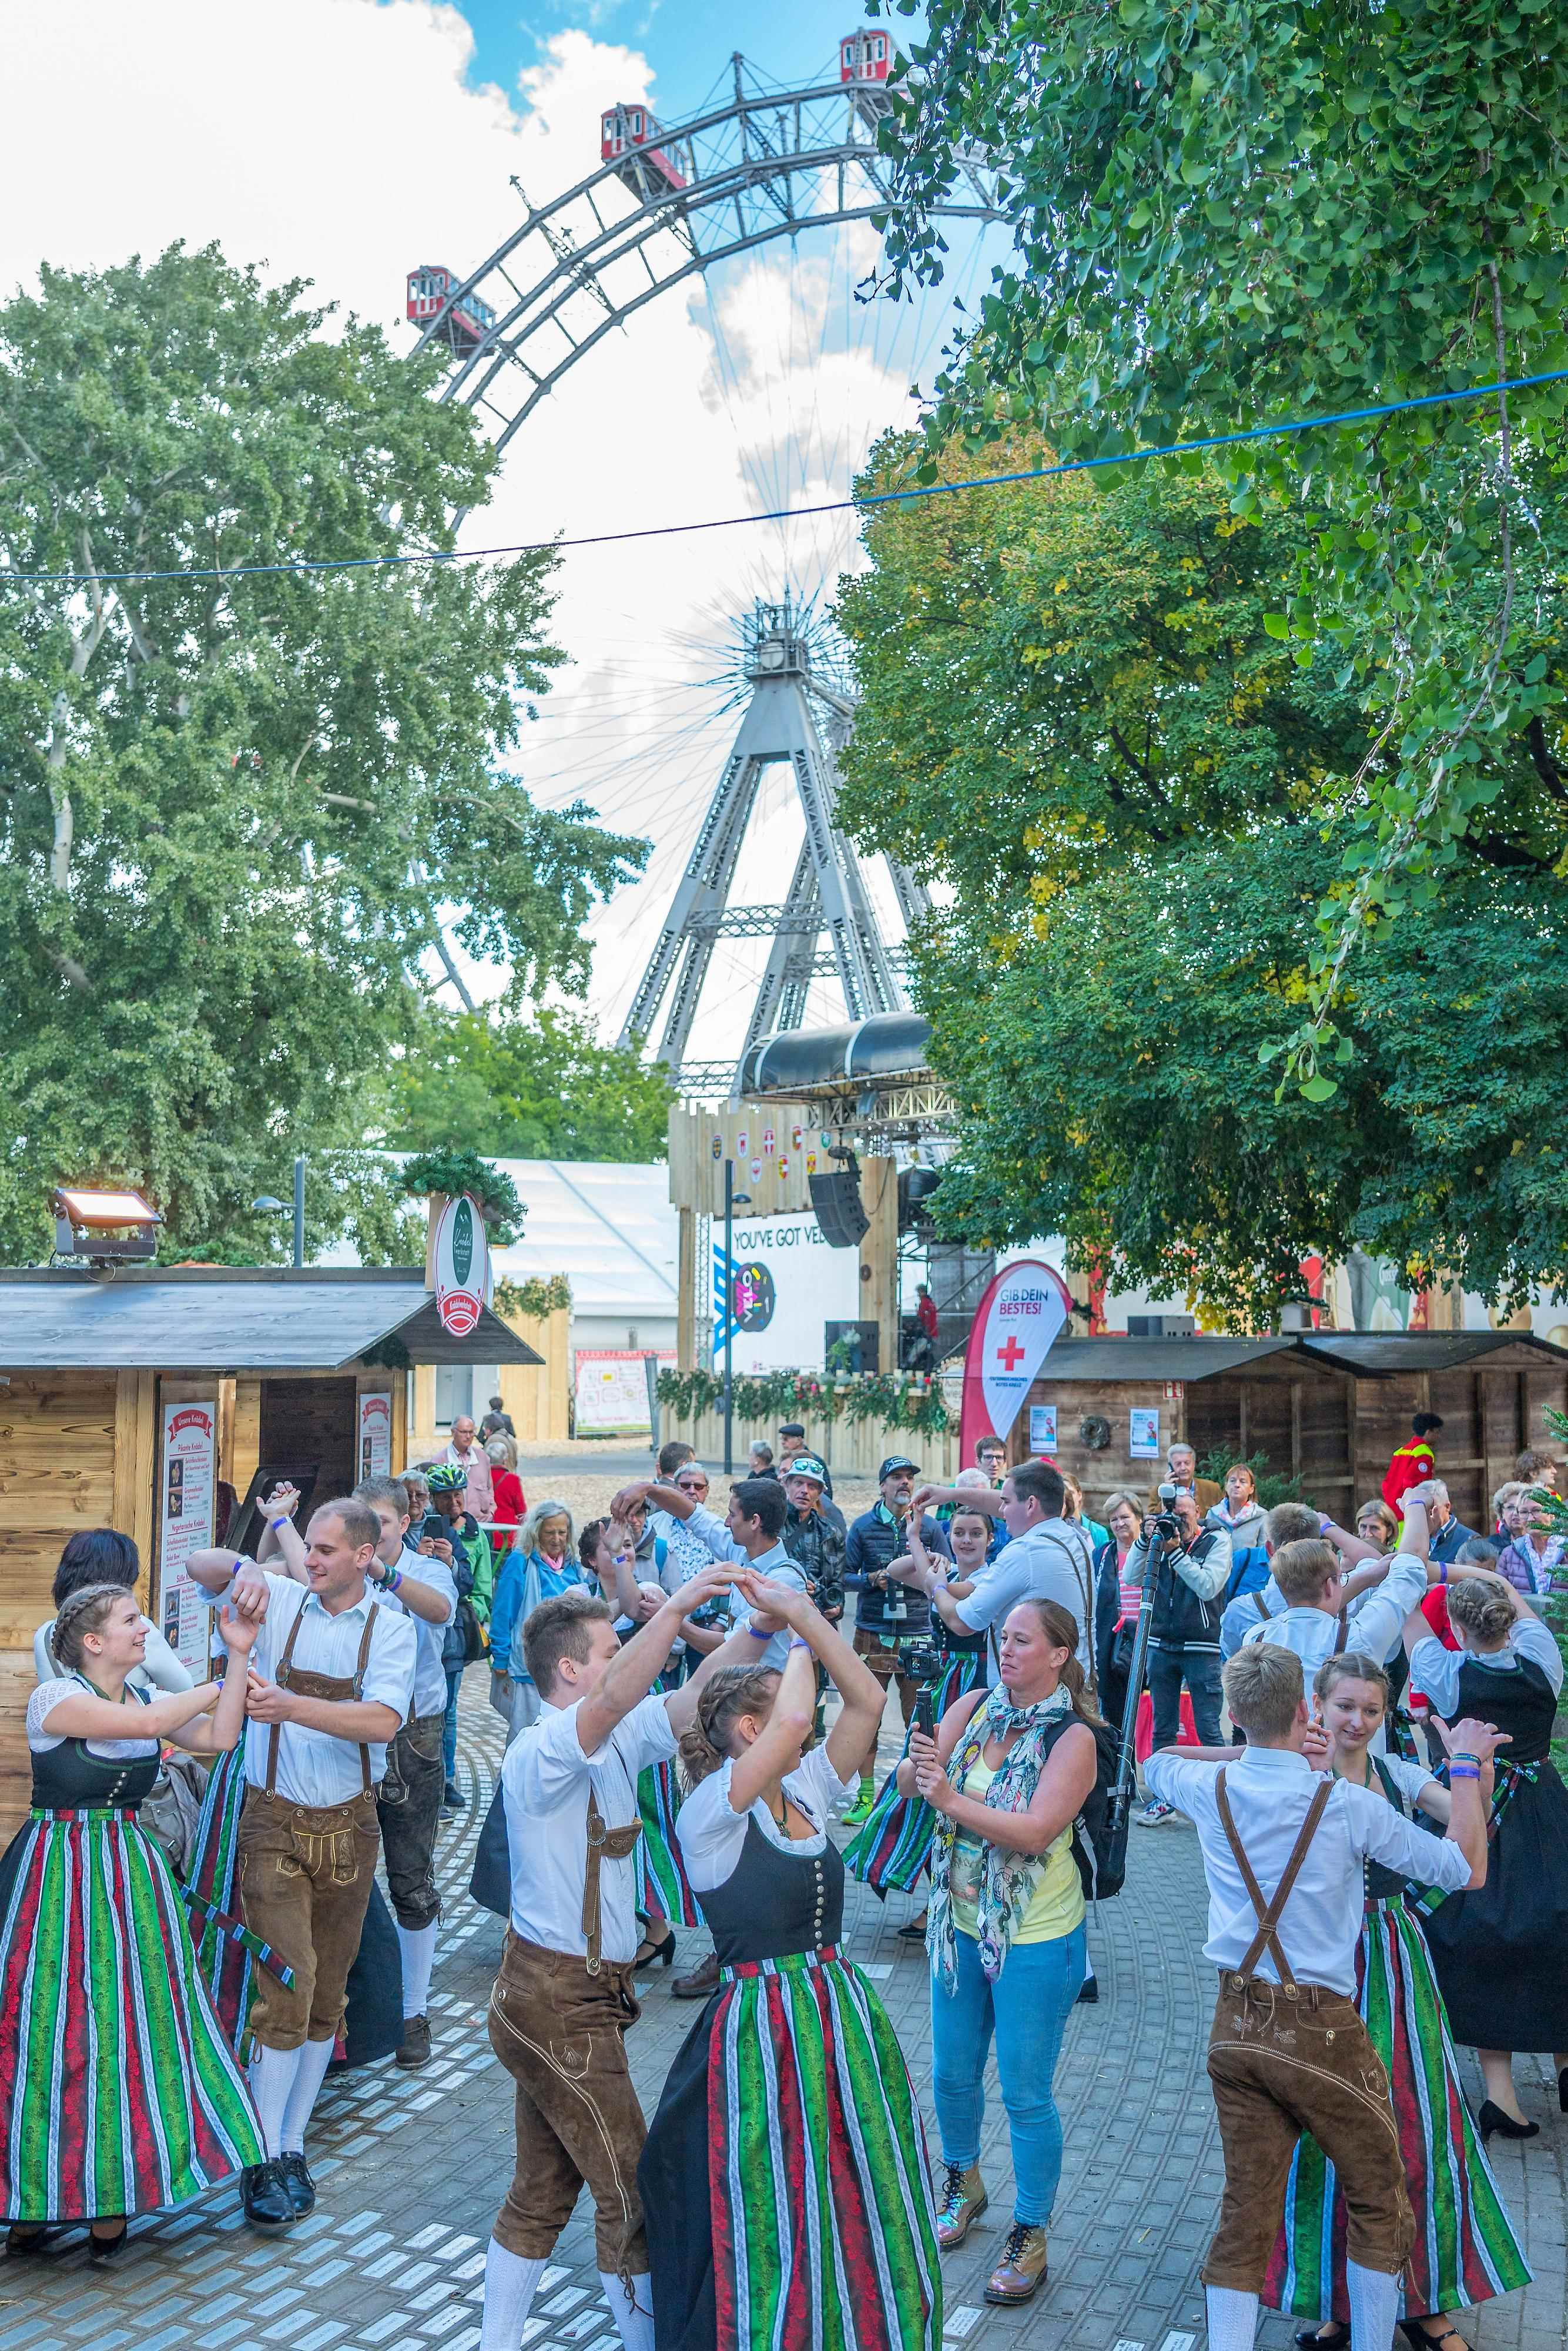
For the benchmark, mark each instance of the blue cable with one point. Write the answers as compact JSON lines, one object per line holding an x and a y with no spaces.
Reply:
{"x":791,"y":514}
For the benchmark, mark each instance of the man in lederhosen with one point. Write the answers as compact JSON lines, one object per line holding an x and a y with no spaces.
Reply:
{"x":564,"y":1997}
{"x":332,"y":1682}
{"x":1288,"y":2050}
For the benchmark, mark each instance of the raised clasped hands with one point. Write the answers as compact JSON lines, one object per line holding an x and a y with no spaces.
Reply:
{"x":777,"y":1604}
{"x":708,"y":1583}
{"x":265,"y":1701}
{"x":282,"y":1502}
{"x":249,"y":1593}
{"x":238,"y":1631}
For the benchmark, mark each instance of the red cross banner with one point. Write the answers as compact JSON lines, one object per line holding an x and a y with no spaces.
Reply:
{"x":1020,"y":1315}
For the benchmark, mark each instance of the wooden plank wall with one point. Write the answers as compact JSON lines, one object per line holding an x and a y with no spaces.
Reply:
{"x":313,"y":1420}
{"x":1101,"y":1470}
{"x":58,"y":1465}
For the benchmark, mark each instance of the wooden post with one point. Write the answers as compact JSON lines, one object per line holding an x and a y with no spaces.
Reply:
{"x":686,"y":1289}
{"x":879,"y":1256}
{"x":1295,"y":1428}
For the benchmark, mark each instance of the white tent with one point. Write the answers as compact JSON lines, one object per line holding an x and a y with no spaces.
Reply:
{"x":611,"y":1229}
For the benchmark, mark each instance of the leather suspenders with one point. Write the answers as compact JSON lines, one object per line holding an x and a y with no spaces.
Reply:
{"x":333,"y":1687}
{"x":1266,"y":1938}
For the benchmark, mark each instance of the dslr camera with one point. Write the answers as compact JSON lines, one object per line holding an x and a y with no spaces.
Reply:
{"x":1164,"y":1526}
{"x":922,"y":1660}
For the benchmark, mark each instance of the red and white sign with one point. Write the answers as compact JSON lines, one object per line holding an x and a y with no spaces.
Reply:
{"x":462,"y":1265}
{"x":185,"y":1524}
{"x":375,"y":1434}
{"x":1019,"y":1317}
{"x":768,"y":1141}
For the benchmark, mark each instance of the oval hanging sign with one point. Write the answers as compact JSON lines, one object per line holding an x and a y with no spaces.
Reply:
{"x":462,"y":1267}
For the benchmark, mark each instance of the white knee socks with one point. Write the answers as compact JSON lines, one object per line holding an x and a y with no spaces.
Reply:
{"x":635,"y":2319}
{"x":510,"y":2284}
{"x":417,"y":1945}
{"x":272,"y":2074}
{"x":1232,"y":2318}
{"x":1374,"y":2306}
{"x":311,"y":2072}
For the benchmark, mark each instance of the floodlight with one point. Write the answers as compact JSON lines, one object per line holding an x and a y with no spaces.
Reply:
{"x":105,"y":1227}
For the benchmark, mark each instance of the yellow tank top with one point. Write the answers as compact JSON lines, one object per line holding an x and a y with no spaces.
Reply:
{"x":1058,"y":1904}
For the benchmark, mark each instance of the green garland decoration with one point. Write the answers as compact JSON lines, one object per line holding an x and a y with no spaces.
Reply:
{"x":536,"y":1297}
{"x":887,"y":1399}
{"x":456,"y":1172}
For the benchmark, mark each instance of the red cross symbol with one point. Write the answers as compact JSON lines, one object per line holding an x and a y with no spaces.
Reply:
{"x":1011,"y":1355}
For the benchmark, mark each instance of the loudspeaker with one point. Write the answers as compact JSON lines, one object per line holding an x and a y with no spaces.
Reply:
{"x":863,"y":1338}
{"x":915,"y":1186}
{"x":836,"y":1201}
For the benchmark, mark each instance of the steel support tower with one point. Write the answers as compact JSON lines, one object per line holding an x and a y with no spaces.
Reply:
{"x":827,"y":895}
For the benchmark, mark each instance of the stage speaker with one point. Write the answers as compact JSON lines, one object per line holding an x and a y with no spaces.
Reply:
{"x":836,"y":1201}
{"x":861,"y":1342}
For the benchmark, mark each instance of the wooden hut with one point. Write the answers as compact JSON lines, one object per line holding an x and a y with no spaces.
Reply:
{"x":1327,"y":1408}
{"x":132,"y":1401}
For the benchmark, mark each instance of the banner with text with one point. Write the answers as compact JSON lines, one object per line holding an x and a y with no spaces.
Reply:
{"x":784,"y":1284}
{"x":1019,"y":1318}
{"x":185,"y":1524}
{"x":375,"y":1433}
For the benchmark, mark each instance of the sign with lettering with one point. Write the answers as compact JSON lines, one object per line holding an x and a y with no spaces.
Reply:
{"x":186,"y":1495}
{"x":1018,"y":1320}
{"x":462,"y":1265}
{"x":375,"y":1433}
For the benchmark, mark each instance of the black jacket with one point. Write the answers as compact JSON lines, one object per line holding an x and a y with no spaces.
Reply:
{"x":1185,"y":1618}
{"x":874,"y":1541}
{"x":816,"y":1544}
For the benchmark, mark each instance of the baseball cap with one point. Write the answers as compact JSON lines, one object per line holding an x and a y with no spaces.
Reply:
{"x":897,"y":1461}
{"x":805,"y":1464}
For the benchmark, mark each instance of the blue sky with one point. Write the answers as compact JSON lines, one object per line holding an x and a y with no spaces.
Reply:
{"x":688,"y":42}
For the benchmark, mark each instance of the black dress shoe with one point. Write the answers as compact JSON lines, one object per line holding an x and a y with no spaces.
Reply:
{"x":1088,"y":1992}
{"x":104,"y":2249}
{"x":1562,"y":2089}
{"x":298,"y":2186}
{"x":264,"y":2195}
{"x":1335,"y":2341}
{"x":1492,"y":2118}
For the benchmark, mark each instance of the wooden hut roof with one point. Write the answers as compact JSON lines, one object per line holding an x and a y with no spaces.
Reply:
{"x":1382,"y":1354}
{"x":233,"y":1317}
{"x":1369,"y":1354}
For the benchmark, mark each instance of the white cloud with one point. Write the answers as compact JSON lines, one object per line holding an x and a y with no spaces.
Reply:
{"x":340,"y":141}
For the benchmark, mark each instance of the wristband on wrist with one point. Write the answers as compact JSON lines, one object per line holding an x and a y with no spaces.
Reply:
{"x":758,"y":1635}
{"x":1464,"y":1772}
{"x":1462,"y":1755}
{"x":799,"y":1643}
{"x":276,"y":1523}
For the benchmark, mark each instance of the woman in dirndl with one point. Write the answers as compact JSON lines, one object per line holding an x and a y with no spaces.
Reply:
{"x":119,"y":2091}
{"x":1465,"y":2251}
{"x":891,"y":1847}
{"x":785,"y":2178}
{"x":1498,"y":1951}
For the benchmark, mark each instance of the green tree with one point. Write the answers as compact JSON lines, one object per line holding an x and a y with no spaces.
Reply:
{"x":545,"y":1089}
{"x":237,"y":809}
{"x":1075,"y":722}
{"x":1244,"y":211}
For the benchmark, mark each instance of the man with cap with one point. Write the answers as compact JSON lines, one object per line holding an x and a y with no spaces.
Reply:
{"x":814,"y":1533}
{"x":887,"y":1615}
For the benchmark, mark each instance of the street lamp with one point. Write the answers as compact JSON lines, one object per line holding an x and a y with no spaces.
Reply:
{"x":268,"y":1207}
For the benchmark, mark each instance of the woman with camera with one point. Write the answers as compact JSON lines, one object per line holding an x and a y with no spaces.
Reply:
{"x":1118,"y":1595}
{"x":785,"y":2175}
{"x":1008,"y":1772}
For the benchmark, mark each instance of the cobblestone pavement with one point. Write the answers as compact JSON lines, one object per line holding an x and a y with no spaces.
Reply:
{"x":411,"y":2167}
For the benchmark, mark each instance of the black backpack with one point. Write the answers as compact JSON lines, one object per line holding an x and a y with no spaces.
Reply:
{"x":1100,"y":1851}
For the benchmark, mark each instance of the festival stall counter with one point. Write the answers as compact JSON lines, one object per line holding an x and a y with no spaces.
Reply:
{"x":135,"y":1400}
{"x":1327,"y":1408}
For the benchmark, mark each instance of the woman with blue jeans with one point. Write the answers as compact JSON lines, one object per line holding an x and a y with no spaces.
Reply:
{"x":1008,"y":1772}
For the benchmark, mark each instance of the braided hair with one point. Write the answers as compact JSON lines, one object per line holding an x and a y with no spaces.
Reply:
{"x":733,"y":1691}
{"x":83,"y":1613}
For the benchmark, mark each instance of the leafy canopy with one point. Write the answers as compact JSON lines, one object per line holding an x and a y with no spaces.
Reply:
{"x":232,"y":808}
{"x":1243,"y":211}
{"x":1074,"y":716}
{"x":545,"y":1089}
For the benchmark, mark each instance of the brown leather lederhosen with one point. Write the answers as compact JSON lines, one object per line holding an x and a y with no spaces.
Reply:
{"x":558,"y":2024}
{"x":1289,"y":2057}
{"x":306,"y":1871}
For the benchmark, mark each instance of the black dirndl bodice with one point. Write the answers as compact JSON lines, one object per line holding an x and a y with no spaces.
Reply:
{"x":70,"y":1778}
{"x":776,"y":1902}
{"x":1498,"y":1948}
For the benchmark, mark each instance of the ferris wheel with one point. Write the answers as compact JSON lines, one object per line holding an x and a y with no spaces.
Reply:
{"x":668,"y":203}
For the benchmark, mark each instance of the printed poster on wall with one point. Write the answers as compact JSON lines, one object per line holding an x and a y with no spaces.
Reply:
{"x":610,"y":1391}
{"x":1042,"y":1429}
{"x":1143,"y":1440}
{"x":185,"y":1525}
{"x":784,"y":1284}
{"x":375,"y":1434}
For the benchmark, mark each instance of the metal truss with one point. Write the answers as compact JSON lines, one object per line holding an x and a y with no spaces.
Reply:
{"x":767,"y":164}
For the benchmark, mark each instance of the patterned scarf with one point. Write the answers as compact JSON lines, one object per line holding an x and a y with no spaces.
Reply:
{"x":1007,"y":1880}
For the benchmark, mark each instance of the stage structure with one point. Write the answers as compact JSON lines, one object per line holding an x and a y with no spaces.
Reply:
{"x":827,"y":899}
{"x":663,"y":204}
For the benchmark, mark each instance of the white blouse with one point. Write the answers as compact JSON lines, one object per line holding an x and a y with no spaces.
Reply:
{"x":42,"y":1704}
{"x":1435,"y":1669}
{"x":712,"y":1834}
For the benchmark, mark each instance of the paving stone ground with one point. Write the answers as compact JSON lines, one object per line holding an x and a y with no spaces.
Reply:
{"x":411,"y":2167}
